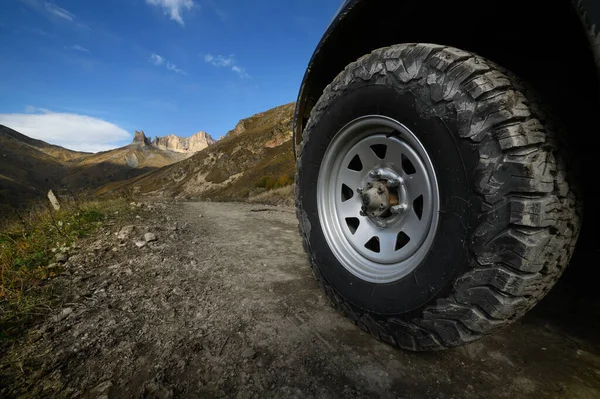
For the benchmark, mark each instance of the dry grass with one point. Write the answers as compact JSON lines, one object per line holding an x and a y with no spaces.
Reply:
{"x":283,"y":196}
{"x":29,"y":241}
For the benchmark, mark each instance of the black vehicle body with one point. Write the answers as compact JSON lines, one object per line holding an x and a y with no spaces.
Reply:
{"x":554,"y":46}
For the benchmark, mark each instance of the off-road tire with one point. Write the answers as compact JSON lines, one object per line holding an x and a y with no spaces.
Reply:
{"x":522,"y":211}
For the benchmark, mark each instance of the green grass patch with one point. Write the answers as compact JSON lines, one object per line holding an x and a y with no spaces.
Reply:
{"x":272,"y":182}
{"x":29,"y":242}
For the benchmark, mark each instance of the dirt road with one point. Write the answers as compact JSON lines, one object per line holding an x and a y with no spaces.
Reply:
{"x":224,"y":305}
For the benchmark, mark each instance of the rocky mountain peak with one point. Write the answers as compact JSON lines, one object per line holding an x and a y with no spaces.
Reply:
{"x":189,"y":145}
{"x":239,"y":129}
{"x":194,"y":143}
{"x":140,"y":138}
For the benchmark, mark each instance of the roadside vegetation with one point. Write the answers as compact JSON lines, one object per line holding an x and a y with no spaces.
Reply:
{"x":283,"y":196}
{"x":270,"y":183}
{"x":32,"y":247}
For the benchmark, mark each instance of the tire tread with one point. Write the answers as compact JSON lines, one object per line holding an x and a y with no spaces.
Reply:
{"x":531,"y":213}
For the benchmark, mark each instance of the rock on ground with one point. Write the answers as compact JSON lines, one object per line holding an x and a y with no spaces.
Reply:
{"x":125,"y":232}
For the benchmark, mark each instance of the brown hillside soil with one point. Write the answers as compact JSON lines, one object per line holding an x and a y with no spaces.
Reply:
{"x":259,"y":150}
{"x":223,"y":304}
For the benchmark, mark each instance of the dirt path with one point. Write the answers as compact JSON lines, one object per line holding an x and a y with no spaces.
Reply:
{"x":224,"y":305}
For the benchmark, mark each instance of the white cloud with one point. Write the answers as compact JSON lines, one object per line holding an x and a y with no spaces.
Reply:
{"x":72,"y":131}
{"x":221,"y":61}
{"x":77,"y":47}
{"x":173,"y":8}
{"x":156,"y":59}
{"x":240,"y":71}
{"x":58,"y":11}
{"x":173,"y":67}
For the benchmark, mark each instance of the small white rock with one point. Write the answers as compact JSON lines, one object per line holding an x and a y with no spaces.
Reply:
{"x":125,"y":232}
{"x":140,"y":243}
{"x":61,"y":257}
{"x":63,"y":314}
{"x":149,"y":237}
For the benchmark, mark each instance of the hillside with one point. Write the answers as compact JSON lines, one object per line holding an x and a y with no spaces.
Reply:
{"x":26,"y":172}
{"x":30,"y":167}
{"x":62,"y":154}
{"x":117,"y":165}
{"x":255,"y":156}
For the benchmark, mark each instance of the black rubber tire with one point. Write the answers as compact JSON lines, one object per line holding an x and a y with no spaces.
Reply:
{"x":509,"y":213}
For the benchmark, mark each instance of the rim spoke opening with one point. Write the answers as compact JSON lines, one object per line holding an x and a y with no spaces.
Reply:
{"x":407,"y":166}
{"x":373,"y":244}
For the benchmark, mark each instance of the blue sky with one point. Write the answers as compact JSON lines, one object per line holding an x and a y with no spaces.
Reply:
{"x":86,"y":74}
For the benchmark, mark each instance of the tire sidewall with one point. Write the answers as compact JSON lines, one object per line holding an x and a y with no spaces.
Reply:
{"x":454,"y":162}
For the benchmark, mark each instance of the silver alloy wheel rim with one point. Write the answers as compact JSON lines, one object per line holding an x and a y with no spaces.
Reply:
{"x":377,"y":249}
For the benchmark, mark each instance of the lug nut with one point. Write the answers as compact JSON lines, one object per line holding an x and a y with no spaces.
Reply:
{"x":397,"y":209}
{"x":374,"y":174}
{"x":393,"y":182}
{"x":360,"y":190}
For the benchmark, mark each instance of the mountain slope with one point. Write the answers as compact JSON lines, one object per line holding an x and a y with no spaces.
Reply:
{"x":119,"y":164}
{"x":26,"y":171}
{"x":256,"y":155}
{"x":30,"y":167}
{"x":55,"y":151}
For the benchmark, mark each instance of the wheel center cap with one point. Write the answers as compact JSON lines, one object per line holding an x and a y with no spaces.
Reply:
{"x":382,"y":196}
{"x":375,"y":199}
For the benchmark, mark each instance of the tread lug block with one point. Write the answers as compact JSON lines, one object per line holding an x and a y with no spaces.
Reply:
{"x":521,"y":134}
{"x":473,"y":319}
{"x":514,"y":211}
{"x":501,"y":278}
{"x":458,"y":74}
{"x":528,"y":170}
{"x":413,"y":60}
{"x":486,"y":83}
{"x":535,"y":212}
{"x":366,"y":72}
{"x":451,"y":332}
{"x":442,"y":60}
{"x":518,"y":248}
{"x":500,"y":108}
{"x":492,"y":302}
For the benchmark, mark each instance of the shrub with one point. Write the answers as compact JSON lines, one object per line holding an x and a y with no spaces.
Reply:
{"x":270,"y":183}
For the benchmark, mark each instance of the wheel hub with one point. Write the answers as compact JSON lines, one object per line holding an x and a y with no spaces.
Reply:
{"x":377,"y":198}
{"x":383,"y":196}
